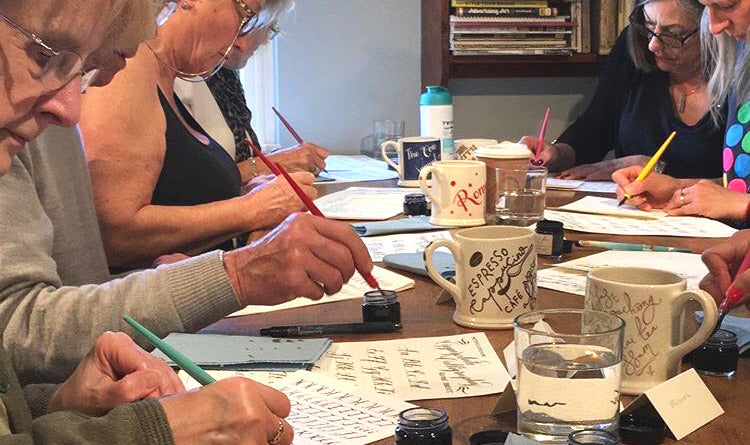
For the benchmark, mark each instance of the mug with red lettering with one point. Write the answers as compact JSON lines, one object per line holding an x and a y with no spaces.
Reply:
{"x":458,"y":192}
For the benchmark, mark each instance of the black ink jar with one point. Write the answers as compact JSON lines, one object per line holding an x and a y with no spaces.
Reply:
{"x":594,"y":437}
{"x":550,"y":238}
{"x":381,"y":306}
{"x":488,"y":437}
{"x":415,"y":204}
{"x":718,"y":355}
{"x":423,"y":426}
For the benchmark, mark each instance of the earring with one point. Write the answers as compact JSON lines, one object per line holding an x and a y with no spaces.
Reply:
{"x":185,"y":5}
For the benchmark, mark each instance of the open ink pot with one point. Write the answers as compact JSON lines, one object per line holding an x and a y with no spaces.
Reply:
{"x":381,"y":306}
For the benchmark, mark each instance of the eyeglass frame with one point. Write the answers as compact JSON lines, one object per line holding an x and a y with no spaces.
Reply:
{"x":643,"y":30}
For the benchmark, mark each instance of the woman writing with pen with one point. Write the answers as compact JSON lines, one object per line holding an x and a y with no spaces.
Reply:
{"x":724,"y":34}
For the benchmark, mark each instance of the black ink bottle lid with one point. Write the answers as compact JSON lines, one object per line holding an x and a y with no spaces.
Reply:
{"x":637,"y":430}
{"x":550,"y":238}
{"x":381,"y":306}
{"x":488,"y":437}
{"x":718,"y":355}
{"x":415,"y":204}
{"x":423,"y":426}
{"x":593,"y":437}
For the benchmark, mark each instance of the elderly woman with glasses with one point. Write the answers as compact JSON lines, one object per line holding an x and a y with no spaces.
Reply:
{"x":652,"y":83}
{"x":161,"y":183}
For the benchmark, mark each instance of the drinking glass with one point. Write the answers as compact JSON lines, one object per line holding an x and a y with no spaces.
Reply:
{"x":520,"y":195}
{"x":569,"y":363}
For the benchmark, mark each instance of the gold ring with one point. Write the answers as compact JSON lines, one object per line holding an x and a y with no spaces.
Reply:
{"x":279,"y":433}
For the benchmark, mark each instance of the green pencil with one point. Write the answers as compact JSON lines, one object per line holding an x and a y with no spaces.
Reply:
{"x":183,"y":362}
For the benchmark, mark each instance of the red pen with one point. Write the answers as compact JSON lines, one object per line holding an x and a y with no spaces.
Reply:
{"x":734,"y":294}
{"x":540,"y":140}
{"x":288,"y":126}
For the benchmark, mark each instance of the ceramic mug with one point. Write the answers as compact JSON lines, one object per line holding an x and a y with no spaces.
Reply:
{"x":457,"y":193}
{"x":413,"y":154}
{"x":652,"y":303}
{"x":466,"y":148}
{"x":495,"y":275}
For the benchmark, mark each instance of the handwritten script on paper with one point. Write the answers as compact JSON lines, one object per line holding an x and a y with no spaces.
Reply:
{"x":364,"y":203}
{"x":691,"y":226}
{"x":355,"y":288}
{"x":380,"y":246}
{"x":327,"y":412}
{"x":418,"y":368}
{"x":570,"y":276}
{"x":609,"y":206}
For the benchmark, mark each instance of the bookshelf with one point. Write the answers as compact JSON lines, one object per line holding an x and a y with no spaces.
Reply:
{"x":439,"y":65}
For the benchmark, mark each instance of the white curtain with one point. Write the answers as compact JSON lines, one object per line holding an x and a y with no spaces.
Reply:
{"x":259,"y":80}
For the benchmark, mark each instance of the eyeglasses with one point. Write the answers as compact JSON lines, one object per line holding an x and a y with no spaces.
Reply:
{"x":249,"y":20}
{"x":56,"y":67}
{"x":667,"y":39}
{"x":273,"y":32}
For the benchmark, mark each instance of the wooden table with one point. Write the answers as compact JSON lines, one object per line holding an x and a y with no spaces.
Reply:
{"x":423,"y":318}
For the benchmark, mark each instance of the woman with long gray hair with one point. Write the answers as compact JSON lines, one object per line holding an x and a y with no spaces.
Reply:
{"x":724,"y":30}
{"x":652,"y":83}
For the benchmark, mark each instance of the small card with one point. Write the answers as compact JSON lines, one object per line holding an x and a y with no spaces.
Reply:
{"x":509,"y":353}
{"x":507,"y":401}
{"x":517,"y":439}
{"x":684,"y":403}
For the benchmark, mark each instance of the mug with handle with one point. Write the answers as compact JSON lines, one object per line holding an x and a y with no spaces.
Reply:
{"x":458,"y":192}
{"x":495,"y":275}
{"x":652,"y":303}
{"x":413,"y":154}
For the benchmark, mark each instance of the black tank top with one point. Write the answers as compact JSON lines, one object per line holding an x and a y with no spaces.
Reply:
{"x":193,"y":173}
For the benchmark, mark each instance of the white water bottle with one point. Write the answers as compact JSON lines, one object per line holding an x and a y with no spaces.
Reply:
{"x":436,"y":118}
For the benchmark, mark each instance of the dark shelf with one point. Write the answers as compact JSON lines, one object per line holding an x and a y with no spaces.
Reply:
{"x":439,"y":65}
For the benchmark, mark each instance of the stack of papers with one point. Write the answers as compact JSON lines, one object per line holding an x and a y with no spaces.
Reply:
{"x":357,"y":169}
{"x":244,"y":352}
{"x":364,"y":203}
{"x":380,"y":246}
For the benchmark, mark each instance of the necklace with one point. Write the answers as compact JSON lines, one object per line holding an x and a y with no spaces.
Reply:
{"x":189,"y":77}
{"x":683,"y":96}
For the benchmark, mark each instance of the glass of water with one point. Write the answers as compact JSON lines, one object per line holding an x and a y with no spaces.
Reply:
{"x":520,"y":195}
{"x":569,"y":372}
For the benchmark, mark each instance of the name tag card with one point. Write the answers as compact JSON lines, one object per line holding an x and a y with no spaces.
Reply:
{"x":684,"y":403}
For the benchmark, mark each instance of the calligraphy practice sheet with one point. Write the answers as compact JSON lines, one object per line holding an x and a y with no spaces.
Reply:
{"x":355,"y":288}
{"x":562,"y":184}
{"x":608,"y":206}
{"x":582,"y":186}
{"x":328,"y":412}
{"x":570,"y":276}
{"x":364,"y":203}
{"x":418,"y":368}
{"x":380,"y":246}
{"x":691,"y":226}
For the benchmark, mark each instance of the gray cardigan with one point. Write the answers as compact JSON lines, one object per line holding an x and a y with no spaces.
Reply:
{"x":56,"y":295}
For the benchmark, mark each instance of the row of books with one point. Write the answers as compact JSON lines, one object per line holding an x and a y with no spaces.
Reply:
{"x":531,"y":27}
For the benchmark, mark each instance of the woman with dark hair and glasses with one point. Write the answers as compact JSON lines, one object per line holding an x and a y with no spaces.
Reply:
{"x":161,"y":184}
{"x":652,"y":83}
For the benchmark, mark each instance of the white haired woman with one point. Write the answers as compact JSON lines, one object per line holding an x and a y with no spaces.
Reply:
{"x":161,"y":184}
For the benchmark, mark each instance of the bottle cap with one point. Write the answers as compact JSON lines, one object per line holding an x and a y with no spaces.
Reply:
{"x":436,"y":95}
{"x":488,"y":437}
{"x":548,"y":225}
{"x":415,"y":204}
{"x":504,"y":150}
{"x":642,"y":430}
{"x":722,"y":337}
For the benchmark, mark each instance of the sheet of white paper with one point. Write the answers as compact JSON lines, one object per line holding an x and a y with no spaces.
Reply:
{"x":598,"y":187}
{"x":608,"y":206}
{"x":355,"y":288}
{"x":509,"y":354}
{"x":690,"y":226}
{"x":364,"y":203}
{"x":570,"y":276}
{"x":363,"y":174}
{"x":565,"y":184}
{"x":380,"y":246}
{"x":328,"y":412}
{"x":418,"y":368}
{"x":267,"y":378}
{"x":352,"y":162}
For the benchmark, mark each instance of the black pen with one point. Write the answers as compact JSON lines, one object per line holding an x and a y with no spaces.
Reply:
{"x":325,"y":329}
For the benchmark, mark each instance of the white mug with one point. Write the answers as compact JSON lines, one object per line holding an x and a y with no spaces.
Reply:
{"x":413,"y":154}
{"x":495,"y":275}
{"x":651,"y":302}
{"x":457,"y":194}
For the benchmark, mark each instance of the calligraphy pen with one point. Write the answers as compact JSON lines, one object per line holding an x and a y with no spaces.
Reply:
{"x":650,"y":164}
{"x":628,"y":246}
{"x":540,"y":139}
{"x":733,"y":295}
{"x":326,"y":329}
{"x":277,"y":170}
{"x":290,"y":129}
{"x":180,"y":360}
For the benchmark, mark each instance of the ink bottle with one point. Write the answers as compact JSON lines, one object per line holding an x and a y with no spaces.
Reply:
{"x":415,"y":204}
{"x":423,"y":426}
{"x":642,"y":430}
{"x":488,"y":437}
{"x":381,"y":306}
{"x":550,"y":238}
{"x":597,"y":437}
{"x":718,"y":355}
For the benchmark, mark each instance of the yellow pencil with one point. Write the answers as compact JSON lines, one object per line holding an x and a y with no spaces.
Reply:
{"x":650,"y":164}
